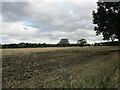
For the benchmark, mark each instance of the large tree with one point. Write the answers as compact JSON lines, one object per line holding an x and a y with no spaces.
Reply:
{"x":82,"y":42}
{"x":107,"y":20}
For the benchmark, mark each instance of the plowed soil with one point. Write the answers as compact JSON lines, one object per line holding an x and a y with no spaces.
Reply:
{"x":91,"y":67}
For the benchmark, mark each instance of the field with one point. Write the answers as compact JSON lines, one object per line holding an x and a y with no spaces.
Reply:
{"x":63,"y":67}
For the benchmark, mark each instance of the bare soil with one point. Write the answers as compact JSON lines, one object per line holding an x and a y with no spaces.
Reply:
{"x":91,"y":67}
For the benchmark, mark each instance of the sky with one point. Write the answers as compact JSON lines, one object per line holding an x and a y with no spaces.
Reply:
{"x":48,"y":21}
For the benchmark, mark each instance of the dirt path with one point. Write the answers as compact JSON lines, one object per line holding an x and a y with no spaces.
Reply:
{"x":89,"y":68}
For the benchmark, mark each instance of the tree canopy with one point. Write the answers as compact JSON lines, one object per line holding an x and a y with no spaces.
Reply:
{"x":107,"y":20}
{"x":82,"y":42}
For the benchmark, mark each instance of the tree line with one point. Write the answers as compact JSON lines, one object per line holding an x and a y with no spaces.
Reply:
{"x":35,"y":45}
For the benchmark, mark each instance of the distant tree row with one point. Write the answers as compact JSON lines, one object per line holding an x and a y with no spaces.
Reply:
{"x":35,"y":45}
{"x":62,"y":43}
{"x":115,"y":43}
{"x":81,"y":42}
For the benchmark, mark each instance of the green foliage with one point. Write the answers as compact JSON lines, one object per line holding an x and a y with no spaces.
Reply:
{"x":22,"y":45}
{"x":35,"y":45}
{"x":107,"y":20}
{"x":64,"y":41}
{"x":68,"y":84}
{"x":82,"y":42}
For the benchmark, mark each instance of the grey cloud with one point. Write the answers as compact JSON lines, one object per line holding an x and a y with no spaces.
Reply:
{"x":14,"y":11}
{"x":52,"y":20}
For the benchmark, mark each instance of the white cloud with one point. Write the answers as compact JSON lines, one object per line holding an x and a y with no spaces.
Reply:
{"x":17,"y":28}
{"x":17,"y":31}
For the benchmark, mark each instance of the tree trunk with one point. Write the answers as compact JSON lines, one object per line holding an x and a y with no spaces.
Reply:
{"x":119,"y":39}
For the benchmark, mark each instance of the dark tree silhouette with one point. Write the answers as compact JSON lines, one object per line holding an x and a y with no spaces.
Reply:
{"x":64,"y":41}
{"x":107,"y":20}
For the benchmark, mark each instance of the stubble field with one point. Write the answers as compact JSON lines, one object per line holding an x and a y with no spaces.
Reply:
{"x":65,"y":67}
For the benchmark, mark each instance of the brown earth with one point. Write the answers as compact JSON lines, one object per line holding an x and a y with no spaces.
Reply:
{"x":89,"y":67}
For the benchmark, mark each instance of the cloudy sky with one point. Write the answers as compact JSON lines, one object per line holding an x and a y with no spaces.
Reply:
{"x":48,"y":21}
